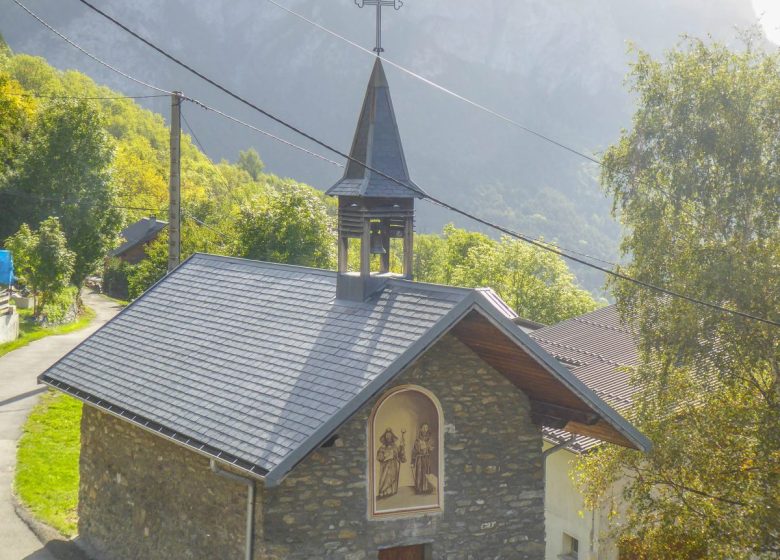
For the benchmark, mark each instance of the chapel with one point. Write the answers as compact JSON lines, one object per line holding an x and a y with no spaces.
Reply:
{"x":245,"y":409}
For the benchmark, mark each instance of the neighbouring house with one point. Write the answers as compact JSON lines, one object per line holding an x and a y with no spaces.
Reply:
{"x":299,"y":413}
{"x":600,"y":351}
{"x":135,"y":239}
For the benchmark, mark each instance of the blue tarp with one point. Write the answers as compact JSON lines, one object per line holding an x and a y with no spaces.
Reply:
{"x":6,"y":268}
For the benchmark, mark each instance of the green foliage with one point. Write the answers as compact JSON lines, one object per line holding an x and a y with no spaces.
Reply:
{"x":291,"y":225}
{"x":31,"y":330}
{"x":698,"y":188}
{"x":64,"y":170}
{"x":43,"y":259}
{"x":47,"y":468}
{"x":16,"y":112}
{"x":143,"y":275}
{"x":23,"y":245}
{"x":535,"y":283}
{"x":53,"y":262}
{"x":115,"y":278}
{"x":250,"y":162}
{"x":57,"y":305}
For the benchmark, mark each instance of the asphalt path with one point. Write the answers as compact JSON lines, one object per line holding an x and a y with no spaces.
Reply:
{"x":19,"y":392}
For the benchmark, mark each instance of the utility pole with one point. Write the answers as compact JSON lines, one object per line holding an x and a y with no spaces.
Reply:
{"x":174,"y":186}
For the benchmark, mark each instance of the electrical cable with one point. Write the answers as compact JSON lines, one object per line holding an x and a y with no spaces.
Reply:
{"x":438,"y":86}
{"x":261,"y":131}
{"x":35,"y":196}
{"x":42,"y":96}
{"x":166,"y":92}
{"x":507,"y":231}
{"x":89,"y":54}
{"x":466,"y":100}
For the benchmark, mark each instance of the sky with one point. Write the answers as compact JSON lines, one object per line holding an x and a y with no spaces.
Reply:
{"x":768,"y":11}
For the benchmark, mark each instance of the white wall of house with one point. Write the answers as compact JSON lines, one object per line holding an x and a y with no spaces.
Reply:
{"x":566,"y":518}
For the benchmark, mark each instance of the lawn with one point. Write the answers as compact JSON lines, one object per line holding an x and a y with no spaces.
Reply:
{"x":47,"y":468}
{"x":29,"y":330}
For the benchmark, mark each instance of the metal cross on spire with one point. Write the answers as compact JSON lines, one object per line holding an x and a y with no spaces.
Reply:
{"x":397,"y":4}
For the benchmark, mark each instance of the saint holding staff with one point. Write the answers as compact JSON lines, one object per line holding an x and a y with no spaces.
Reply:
{"x":390,"y":456}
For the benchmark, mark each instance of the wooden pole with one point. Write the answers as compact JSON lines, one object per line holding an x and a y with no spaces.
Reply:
{"x":174,"y":185}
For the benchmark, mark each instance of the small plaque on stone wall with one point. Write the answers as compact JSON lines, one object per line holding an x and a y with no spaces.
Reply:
{"x":406,"y":459}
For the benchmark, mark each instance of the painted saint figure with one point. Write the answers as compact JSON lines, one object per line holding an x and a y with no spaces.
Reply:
{"x":390,"y":457}
{"x":421,"y":460}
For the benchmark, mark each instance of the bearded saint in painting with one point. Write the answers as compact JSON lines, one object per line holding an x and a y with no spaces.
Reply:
{"x":390,"y":456}
{"x":421,"y":460}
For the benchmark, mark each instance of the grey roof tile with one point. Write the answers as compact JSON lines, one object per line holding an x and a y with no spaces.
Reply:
{"x":599,"y":350}
{"x":250,"y":358}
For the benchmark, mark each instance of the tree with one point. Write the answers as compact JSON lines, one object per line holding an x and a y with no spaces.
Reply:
{"x":250,"y":162}
{"x":697,"y":185}
{"x":16,"y":112}
{"x":291,"y":225}
{"x":64,"y":170}
{"x":536,"y":284}
{"x":22,"y":245}
{"x":43,"y":258}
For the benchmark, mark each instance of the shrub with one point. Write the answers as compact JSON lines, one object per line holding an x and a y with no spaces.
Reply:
{"x":60,"y":307}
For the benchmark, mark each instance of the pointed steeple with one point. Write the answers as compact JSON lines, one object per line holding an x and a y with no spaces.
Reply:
{"x":377,"y":143}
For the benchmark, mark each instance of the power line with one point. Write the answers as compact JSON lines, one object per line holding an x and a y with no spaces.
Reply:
{"x":527,"y":239}
{"x":36,"y":196}
{"x":264,"y":132}
{"x":166,"y":92}
{"x":89,"y":54}
{"x":468,"y":101}
{"x":440,"y":87}
{"x":441,"y":203}
{"x":42,"y":96}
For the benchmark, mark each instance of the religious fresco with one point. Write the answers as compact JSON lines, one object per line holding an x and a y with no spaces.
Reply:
{"x":406,"y":453}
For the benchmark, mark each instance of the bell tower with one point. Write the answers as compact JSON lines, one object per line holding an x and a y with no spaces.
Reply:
{"x":372,"y":208}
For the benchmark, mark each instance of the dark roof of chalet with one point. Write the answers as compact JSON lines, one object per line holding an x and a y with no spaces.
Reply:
{"x":600,"y":350}
{"x":377,"y":143}
{"x":257,"y":364}
{"x":138,"y":233}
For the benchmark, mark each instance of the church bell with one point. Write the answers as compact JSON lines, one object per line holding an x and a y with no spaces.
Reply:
{"x":377,"y":244}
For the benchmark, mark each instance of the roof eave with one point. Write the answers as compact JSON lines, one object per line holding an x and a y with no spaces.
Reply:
{"x":610,"y":415}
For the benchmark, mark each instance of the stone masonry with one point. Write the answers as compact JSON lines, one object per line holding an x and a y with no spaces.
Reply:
{"x":144,"y":497}
{"x":493,"y":495}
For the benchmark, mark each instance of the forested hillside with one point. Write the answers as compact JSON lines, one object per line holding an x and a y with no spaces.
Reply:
{"x":81,"y":153}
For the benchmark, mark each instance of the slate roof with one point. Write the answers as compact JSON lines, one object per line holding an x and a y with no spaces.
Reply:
{"x":256,"y":364}
{"x":142,"y":231}
{"x":377,"y":143}
{"x":599,"y":350}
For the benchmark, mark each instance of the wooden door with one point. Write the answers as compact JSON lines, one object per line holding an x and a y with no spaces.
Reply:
{"x":416,"y":552}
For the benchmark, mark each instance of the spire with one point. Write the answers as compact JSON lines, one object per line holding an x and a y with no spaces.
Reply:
{"x":377,"y":143}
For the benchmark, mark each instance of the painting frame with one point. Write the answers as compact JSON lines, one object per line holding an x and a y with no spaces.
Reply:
{"x":377,"y":510}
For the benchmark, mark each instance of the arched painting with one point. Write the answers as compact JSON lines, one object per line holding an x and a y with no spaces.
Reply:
{"x":406,"y":455}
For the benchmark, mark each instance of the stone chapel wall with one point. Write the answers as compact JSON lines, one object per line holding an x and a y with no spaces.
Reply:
{"x":143,"y":497}
{"x":493,"y":493}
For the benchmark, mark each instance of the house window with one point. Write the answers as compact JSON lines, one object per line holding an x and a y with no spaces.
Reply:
{"x":571,"y":548}
{"x":405,"y":453}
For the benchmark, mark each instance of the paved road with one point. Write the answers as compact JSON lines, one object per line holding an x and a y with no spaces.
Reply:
{"x":18,"y":393}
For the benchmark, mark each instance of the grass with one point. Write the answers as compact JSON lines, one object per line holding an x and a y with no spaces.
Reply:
{"x":47,"y":468}
{"x":29,"y":330}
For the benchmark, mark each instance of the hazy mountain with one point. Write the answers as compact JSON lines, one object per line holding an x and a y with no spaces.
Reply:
{"x":555,"y":66}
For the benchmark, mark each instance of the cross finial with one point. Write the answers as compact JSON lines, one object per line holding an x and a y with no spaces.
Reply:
{"x":397,"y":4}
